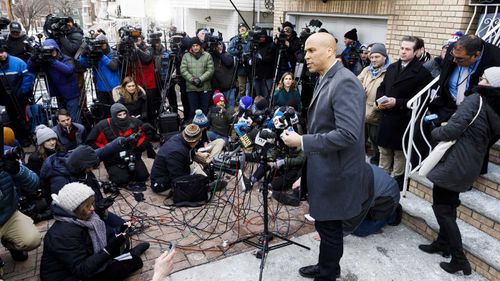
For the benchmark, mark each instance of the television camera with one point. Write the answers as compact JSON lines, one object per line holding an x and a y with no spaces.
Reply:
{"x":128,"y":36}
{"x":154,"y":38}
{"x":4,"y":31}
{"x":213,"y":41}
{"x":93,"y":48}
{"x":56,"y":27}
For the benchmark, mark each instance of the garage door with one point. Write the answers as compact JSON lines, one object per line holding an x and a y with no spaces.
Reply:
{"x":370,"y":30}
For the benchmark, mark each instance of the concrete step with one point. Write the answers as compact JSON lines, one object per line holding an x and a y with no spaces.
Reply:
{"x":495,"y":153}
{"x":481,"y":249}
{"x":477,"y":208}
{"x":490,"y":182}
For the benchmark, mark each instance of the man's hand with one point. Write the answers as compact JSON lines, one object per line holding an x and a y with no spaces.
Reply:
{"x":291,"y":139}
{"x":390,"y":103}
{"x":163,"y":265}
{"x":296,"y":184}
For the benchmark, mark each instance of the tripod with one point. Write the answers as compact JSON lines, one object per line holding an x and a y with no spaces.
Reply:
{"x":265,"y":236}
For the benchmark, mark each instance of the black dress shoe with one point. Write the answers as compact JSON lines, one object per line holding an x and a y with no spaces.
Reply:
{"x":139,"y":249}
{"x":310,"y":271}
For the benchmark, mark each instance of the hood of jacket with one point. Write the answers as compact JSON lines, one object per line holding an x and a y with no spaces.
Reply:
{"x":52,"y":43}
{"x":81,"y":158}
{"x":491,"y":97}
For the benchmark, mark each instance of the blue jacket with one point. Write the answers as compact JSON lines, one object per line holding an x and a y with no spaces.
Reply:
{"x":26,"y":180}
{"x":15,"y":75}
{"x":106,"y":73}
{"x":60,"y":73}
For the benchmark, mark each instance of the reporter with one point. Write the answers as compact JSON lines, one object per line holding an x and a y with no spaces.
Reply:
{"x":287,"y":93}
{"x":133,"y":97}
{"x":78,"y":246}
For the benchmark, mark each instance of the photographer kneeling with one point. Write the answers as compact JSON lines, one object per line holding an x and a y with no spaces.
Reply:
{"x":125,"y":168}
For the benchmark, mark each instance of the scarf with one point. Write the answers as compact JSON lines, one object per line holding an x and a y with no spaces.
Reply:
{"x":376,"y":71}
{"x":95,"y":227}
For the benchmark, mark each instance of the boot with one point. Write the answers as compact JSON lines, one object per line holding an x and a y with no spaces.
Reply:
{"x":18,"y":255}
{"x":288,"y":199}
{"x":440,"y":246}
{"x":458,"y":261}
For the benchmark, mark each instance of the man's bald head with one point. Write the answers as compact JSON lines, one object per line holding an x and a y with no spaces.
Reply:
{"x":320,"y":52}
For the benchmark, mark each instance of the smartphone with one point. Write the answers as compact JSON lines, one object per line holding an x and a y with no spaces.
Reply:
{"x":171,"y":248}
{"x":308,"y":217}
{"x":382,"y":99}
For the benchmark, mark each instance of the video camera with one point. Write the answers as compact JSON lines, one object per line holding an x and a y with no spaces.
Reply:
{"x":213,"y":41}
{"x":128,"y":36}
{"x":4,"y":32}
{"x":56,"y":27}
{"x":93,"y":48}
{"x":154,"y":38}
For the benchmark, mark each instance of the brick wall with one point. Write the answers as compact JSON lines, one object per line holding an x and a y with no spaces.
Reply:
{"x":433,"y":20}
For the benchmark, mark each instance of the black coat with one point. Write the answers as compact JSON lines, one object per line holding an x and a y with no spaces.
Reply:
{"x":444,"y":106}
{"x":402,"y":86}
{"x":17,"y":47}
{"x":68,"y":253}
{"x":172,"y":161}
{"x":461,"y":164}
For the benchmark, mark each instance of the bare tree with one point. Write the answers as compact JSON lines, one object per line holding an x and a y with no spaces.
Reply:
{"x":28,"y":11}
{"x":66,"y":7}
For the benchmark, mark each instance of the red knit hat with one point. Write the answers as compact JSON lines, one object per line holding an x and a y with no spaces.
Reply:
{"x":218,"y":96}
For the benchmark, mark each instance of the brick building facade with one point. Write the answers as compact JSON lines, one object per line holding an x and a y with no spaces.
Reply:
{"x":433,"y":20}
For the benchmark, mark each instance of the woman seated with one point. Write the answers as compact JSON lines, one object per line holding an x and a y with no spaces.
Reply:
{"x":78,"y":246}
{"x":47,"y":144}
{"x":133,"y":97}
{"x":287,"y":93}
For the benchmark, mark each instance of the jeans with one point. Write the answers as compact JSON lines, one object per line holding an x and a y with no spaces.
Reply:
{"x":213,"y":136}
{"x":230,"y":96}
{"x":198,"y":100}
{"x":72,"y":106}
{"x":263,"y":87}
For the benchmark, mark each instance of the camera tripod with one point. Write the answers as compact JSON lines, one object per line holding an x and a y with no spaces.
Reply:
{"x":265,"y":236}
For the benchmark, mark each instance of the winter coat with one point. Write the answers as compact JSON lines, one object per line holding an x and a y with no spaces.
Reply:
{"x":291,"y":55}
{"x":266,"y":60}
{"x":223,"y":71}
{"x":68,"y":144}
{"x":334,"y":147}
{"x":172,"y":161}
{"x":139,"y":107}
{"x":18,"y":47}
{"x":106,"y":73}
{"x":371,"y":84}
{"x":142,"y":67}
{"x":220,"y":122}
{"x":402,"y":86}
{"x":35,"y":163}
{"x":25,"y":181}
{"x":16,"y":78}
{"x":444,"y":105}
{"x":434,"y":66}
{"x":246,"y":46}
{"x":71,"y":42}
{"x":68,"y":252}
{"x":60,"y":73}
{"x":385,"y":195}
{"x":351,"y":58}
{"x":461,"y":164}
{"x":284,"y":98}
{"x":201,"y":67}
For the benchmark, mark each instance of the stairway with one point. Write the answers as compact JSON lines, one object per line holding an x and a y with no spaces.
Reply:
{"x":478,"y":216}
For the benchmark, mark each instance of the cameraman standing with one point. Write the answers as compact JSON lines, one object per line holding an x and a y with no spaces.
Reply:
{"x":290,"y":48}
{"x":15,"y":87}
{"x":61,"y":76}
{"x":238,"y":46}
{"x":223,"y":73}
{"x":106,"y":71}
{"x":16,"y":45}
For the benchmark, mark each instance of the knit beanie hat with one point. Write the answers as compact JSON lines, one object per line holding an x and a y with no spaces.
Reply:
{"x":117,"y":108}
{"x":218,"y":96}
{"x":352,"y":34}
{"x":101,"y":37}
{"x":492,"y":74}
{"x":195,"y":40}
{"x":200,"y":119}
{"x":8,"y":136}
{"x":245,"y":102}
{"x":287,"y":23}
{"x":192,"y":133}
{"x":81,"y":158}
{"x":379,"y":49}
{"x":72,"y":195}
{"x":43,"y":134}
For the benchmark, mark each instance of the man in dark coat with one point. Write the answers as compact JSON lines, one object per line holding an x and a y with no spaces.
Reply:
{"x":69,"y":133}
{"x":16,"y":44}
{"x":403,"y":79}
{"x":340,"y":184}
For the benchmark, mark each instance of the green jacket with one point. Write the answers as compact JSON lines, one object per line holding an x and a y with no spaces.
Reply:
{"x":202,"y":67}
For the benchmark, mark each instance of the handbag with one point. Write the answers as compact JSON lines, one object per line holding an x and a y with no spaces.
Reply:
{"x":190,"y":190}
{"x":438,"y":152}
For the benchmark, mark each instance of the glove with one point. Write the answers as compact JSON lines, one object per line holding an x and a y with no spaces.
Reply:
{"x":114,"y":246}
{"x":197,"y":82}
{"x":11,"y":166}
{"x":130,"y":141}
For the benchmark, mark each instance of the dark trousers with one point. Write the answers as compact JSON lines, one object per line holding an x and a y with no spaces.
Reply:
{"x":105,"y":102}
{"x":153,"y":104}
{"x":197,"y":100}
{"x":331,"y":249}
{"x":122,"y":176}
{"x":441,"y":196}
{"x":119,"y":270}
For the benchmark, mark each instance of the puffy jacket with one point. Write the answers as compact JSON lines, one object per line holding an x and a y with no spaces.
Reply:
{"x":71,"y":42}
{"x":142,"y":67}
{"x":60,"y":73}
{"x":26,"y":181}
{"x":201,"y":67}
{"x":106,"y":73}
{"x":461,"y":164}
{"x":220,"y":122}
{"x":80,"y":135}
{"x":291,"y":98}
{"x":172,"y":161}
{"x":68,"y":253}
{"x":15,"y":76}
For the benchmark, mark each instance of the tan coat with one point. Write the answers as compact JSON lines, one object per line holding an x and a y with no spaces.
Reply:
{"x":371,"y":84}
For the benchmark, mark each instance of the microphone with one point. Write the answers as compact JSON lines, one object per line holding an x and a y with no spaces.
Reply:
{"x":240,"y":129}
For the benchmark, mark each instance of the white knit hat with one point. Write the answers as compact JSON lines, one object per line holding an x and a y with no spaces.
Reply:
{"x":43,"y":134}
{"x":492,"y":74}
{"x":72,"y":195}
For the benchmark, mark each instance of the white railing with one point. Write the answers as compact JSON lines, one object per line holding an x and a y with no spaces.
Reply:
{"x":489,"y":30}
